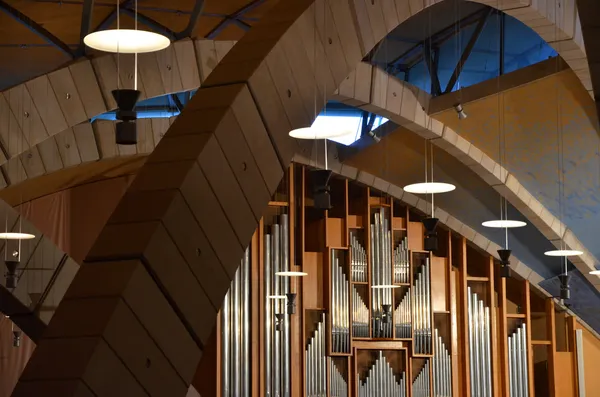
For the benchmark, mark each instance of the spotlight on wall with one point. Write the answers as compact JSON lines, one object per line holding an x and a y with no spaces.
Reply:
{"x":321,"y":189}
{"x":504,"y":255}
{"x":374,"y":136}
{"x":565,"y":290}
{"x":16,"y":338}
{"x":11,"y":273}
{"x":126,"y":131}
{"x":431,"y":239}
{"x":291,"y":303}
{"x":460,"y":111}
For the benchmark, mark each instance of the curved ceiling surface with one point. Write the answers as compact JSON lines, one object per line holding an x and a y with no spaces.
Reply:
{"x":531,"y":115}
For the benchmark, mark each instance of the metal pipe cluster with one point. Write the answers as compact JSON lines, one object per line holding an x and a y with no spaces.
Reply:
{"x":479,"y":346}
{"x":517,"y":363}
{"x":277,"y":338}
{"x":422,"y":310}
{"x":340,"y":306}
{"x":338,"y":387}
{"x":235,"y":334}
{"x":315,"y":363}
{"x":421,"y":385}
{"x":381,"y":381}
{"x":359,"y":260}
{"x":442,"y":368}
{"x":360,"y":316}
{"x":381,"y":271}
{"x":402,"y":317}
{"x":401,"y":262}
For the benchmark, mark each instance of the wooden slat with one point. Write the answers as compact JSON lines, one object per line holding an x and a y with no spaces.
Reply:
{"x":186,"y":59}
{"x":207,"y":57}
{"x":50,"y":155}
{"x":9,"y":131}
{"x":169,"y":70}
{"x":88,"y":88}
{"x":104,"y":132}
{"x":552,"y":370}
{"x":67,"y":147}
{"x":67,"y":95}
{"x":106,"y":70}
{"x":150,"y":74}
{"x":26,"y":115}
{"x":86,"y":142}
{"x":46,"y":102}
{"x":145,"y":136}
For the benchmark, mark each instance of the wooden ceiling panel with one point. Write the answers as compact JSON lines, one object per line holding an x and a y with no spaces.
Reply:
{"x":205,"y":25}
{"x":21,"y":64}
{"x":231,"y":32}
{"x":224,"y":7}
{"x":173,"y":21}
{"x":262,"y":9}
{"x":181,"y":5}
{"x":13,"y":32}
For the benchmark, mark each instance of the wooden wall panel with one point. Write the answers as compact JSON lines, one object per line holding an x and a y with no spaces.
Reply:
{"x":67,"y":147}
{"x":86,"y":142}
{"x":150,"y":74}
{"x":46,"y":103}
{"x":50,"y":154}
{"x":108,"y":78}
{"x":169,"y":70}
{"x":188,"y":65}
{"x":26,"y":115}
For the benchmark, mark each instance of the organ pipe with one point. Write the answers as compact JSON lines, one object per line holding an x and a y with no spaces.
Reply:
{"x":422,"y":310}
{"x":315,"y":362}
{"x":235,"y":334}
{"x":402,"y":317}
{"x":381,"y":271}
{"x":480,"y":367}
{"x":381,"y":380}
{"x":421,"y":385}
{"x":359,"y":259}
{"x":276,"y":339}
{"x":340,"y":306}
{"x":517,"y":363}
{"x":360,"y":316}
{"x":402,"y":262}
{"x":442,"y":368}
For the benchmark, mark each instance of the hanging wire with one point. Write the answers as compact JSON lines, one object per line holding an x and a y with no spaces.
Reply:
{"x":135,"y":59}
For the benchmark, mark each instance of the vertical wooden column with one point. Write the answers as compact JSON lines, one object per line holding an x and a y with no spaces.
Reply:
{"x":296,"y":339}
{"x":530,"y":371}
{"x":261,"y":300}
{"x":255,"y":343}
{"x":503,"y":331}
{"x":465,"y":316}
{"x":493,"y":326}
{"x":552,"y":348}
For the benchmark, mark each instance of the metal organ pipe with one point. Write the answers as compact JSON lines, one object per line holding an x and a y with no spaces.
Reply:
{"x":421,"y":385}
{"x":359,"y":259}
{"x":277,"y":336}
{"x":422,"y":310}
{"x":315,"y":362}
{"x":381,"y":381}
{"x":360,"y":316}
{"x":517,"y":363}
{"x":442,"y":368}
{"x":381,"y":269}
{"x":402,"y":317}
{"x":401,"y":262}
{"x":340,"y":310}
{"x":479,"y":332}
{"x":235,"y":334}
{"x":337,"y":384}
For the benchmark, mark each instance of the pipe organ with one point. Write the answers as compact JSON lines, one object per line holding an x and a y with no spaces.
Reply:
{"x":377,"y":314}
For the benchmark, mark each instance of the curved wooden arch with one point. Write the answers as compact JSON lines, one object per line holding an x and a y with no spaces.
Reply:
{"x":176,"y":238}
{"x":63,"y":99}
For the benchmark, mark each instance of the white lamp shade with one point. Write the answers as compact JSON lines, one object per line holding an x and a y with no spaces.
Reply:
{"x":16,"y":236}
{"x":126,"y":41}
{"x":291,"y":274}
{"x":503,"y":224}
{"x":563,"y":253}
{"x":385,"y":286}
{"x":595,"y":272}
{"x":319,"y":133}
{"x":429,"y":188}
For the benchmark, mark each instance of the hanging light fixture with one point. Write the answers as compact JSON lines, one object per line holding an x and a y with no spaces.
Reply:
{"x":126,"y":41}
{"x":319,"y":132}
{"x":595,"y":272}
{"x":563,"y":252}
{"x":384,"y":286}
{"x":16,"y":236}
{"x":503,"y":224}
{"x":291,"y":273}
{"x":429,"y":188}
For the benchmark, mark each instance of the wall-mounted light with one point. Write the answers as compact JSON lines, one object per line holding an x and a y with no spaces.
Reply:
{"x":16,"y":338}
{"x":460,"y":111}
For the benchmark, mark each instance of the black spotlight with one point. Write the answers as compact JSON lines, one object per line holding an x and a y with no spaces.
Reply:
{"x":291,"y":303}
{"x":279,"y":317}
{"x":126,"y":131}
{"x":431,"y":239}
{"x":321,"y":189}
{"x":16,"y":338}
{"x":386,"y":314}
{"x":504,"y":255}
{"x":565,"y":290}
{"x":11,"y":274}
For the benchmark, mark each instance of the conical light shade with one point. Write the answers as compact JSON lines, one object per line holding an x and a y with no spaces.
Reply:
{"x":126,"y":41}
